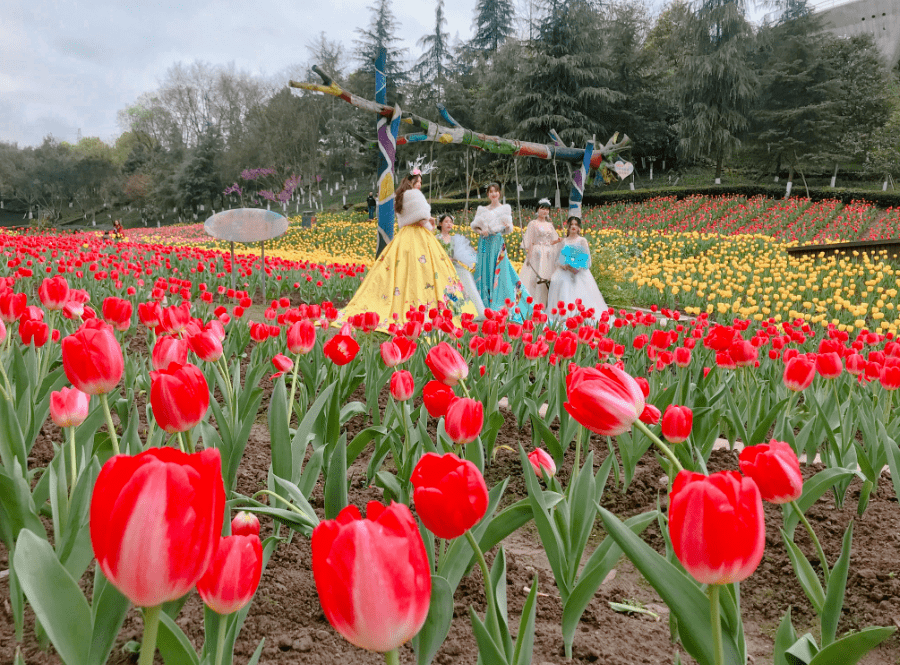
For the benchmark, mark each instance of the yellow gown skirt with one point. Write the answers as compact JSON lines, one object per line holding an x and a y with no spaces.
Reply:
{"x":412,"y":270}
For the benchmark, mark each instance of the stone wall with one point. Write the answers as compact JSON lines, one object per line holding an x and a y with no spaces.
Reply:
{"x":881,"y":18}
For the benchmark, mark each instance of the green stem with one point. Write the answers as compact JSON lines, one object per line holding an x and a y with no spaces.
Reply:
{"x":151,"y":627}
{"x":576,"y":467}
{"x":659,"y":444}
{"x":293,"y":391}
{"x":8,"y":392}
{"x":814,"y":539}
{"x":493,"y":625}
{"x":220,"y":640}
{"x":109,"y":424}
{"x":392,"y":657}
{"x":72,"y":466}
{"x":180,"y":441}
{"x":462,"y":384}
{"x":718,"y":647}
{"x":229,"y":389}
{"x":837,"y":400}
{"x":190,"y":441}
{"x":405,"y":433}
{"x":287,"y":503}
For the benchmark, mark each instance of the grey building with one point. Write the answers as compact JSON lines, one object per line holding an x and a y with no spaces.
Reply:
{"x":880,"y":18}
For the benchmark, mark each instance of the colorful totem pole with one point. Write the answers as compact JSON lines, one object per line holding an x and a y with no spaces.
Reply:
{"x":386,"y":130}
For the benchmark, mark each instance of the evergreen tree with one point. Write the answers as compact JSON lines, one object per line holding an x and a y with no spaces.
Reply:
{"x":382,"y":34}
{"x":799,"y":96}
{"x":198,"y":180}
{"x":494,"y":21}
{"x":717,"y":83}
{"x":435,"y":65}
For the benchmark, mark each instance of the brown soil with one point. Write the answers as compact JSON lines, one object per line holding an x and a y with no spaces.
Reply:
{"x":287,"y":613}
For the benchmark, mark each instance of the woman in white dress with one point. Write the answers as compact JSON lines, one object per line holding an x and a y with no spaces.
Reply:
{"x":568,"y":283}
{"x":495,"y":278}
{"x":541,"y":245}
{"x":463,"y":257}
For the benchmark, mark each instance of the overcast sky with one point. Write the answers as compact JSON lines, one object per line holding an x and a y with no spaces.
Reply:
{"x":67,"y":65}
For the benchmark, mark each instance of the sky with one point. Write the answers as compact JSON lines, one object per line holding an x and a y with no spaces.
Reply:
{"x":70,"y":65}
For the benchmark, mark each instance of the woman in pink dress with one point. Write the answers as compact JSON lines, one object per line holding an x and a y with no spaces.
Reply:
{"x":541,"y":245}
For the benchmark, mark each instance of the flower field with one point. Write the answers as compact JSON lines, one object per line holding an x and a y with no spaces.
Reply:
{"x":192,"y":473}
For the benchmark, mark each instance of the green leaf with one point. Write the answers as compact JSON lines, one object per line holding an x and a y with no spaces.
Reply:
{"x":807,"y":577}
{"x":784,"y":638}
{"x":813,"y":488}
{"x":336,"y":481}
{"x":55,"y":597}
{"x":893,"y":459}
{"x":506,"y":522}
{"x":108,"y":613}
{"x":682,"y":595}
{"x":254,"y":659}
{"x":279,"y":436}
{"x":489,"y":651}
{"x":525,"y":637}
{"x":550,"y":441}
{"x":834,"y":594}
{"x":550,"y":537}
{"x":594,"y":572}
{"x":437,"y":624}
{"x":174,"y":646}
{"x":850,"y":649}
{"x":759,"y":434}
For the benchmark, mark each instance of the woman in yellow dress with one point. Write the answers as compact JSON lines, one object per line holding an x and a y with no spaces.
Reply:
{"x":413,"y":269}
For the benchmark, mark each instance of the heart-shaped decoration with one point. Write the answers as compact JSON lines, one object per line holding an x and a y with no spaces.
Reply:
{"x":623,"y":169}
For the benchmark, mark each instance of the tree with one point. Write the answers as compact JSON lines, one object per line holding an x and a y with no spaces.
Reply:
{"x":494,"y":21}
{"x":435,"y":64}
{"x":799,"y":97}
{"x":883,"y":157}
{"x":198,"y":180}
{"x":717,"y":84}
{"x":382,"y":34}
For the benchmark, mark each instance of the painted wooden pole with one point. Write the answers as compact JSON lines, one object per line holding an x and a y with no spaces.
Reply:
{"x":386,"y":129}
{"x":579,"y":177}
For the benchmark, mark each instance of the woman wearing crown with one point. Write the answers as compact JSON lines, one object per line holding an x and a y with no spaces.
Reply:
{"x":413,"y":269}
{"x":541,"y":245}
{"x":572,"y":282}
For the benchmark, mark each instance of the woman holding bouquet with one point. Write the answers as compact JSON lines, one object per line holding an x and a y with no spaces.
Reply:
{"x":495,"y":277}
{"x":572,"y":279}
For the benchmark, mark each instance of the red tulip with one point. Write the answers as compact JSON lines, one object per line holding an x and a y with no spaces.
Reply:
{"x":677,"y":422}
{"x":372,"y":575}
{"x":156,"y":520}
{"x":716,"y":526}
{"x":565,"y":345}
{"x":206,"y":345}
{"x":179,"y":396}
{"x":446,"y":364}
{"x":464,"y":420}
{"x":407,"y":348}
{"x":12,"y":305}
{"x":174,"y":319}
{"x":606,"y":400}
{"x":402,"y":385}
{"x":450,"y":494}
{"x":301,"y":337}
{"x":799,"y":373}
{"x":34,"y":332}
{"x":150,"y":314}
{"x":341,"y":349}
{"x":650,"y":415}
{"x":92,"y":358}
{"x":682,"y":356}
{"x":889,"y":376}
{"x":743,"y":353}
{"x":856,"y":364}
{"x":775,"y":469}
{"x":283,"y":364}
{"x":168,"y":350}
{"x":828,"y":365}
{"x":245,"y":524}
{"x":233,"y":576}
{"x":117,"y":313}
{"x":390,"y":354}
{"x":69,"y":407}
{"x":540,"y":460}
{"x":54,"y":292}
{"x":437,"y":397}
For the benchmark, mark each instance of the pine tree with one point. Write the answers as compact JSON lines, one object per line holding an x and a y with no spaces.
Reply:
{"x":435,"y":64}
{"x":718,"y":85}
{"x":382,"y":34}
{"x":494,"y":21}
{"x":799,"y":96}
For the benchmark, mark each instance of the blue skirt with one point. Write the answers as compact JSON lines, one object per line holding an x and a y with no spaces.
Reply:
{"x":497,"y":280}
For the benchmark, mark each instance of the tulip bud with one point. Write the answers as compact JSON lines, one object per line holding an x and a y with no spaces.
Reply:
{"x":542,"y":463}
{"x":69,"y":407}
{"x":775,"y":469}
{"x":437,"y":397}
{"x":233,"y":576}
{"x":677,"y":423}
{"x":446,"y":364}
{"x":464,"y":420}
{"x":402,"y":385}
{"x":245,"y":524}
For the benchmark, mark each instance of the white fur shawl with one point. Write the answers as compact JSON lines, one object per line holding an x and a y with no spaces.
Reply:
{"x":415,"y":208}
{"x":498,"y":220}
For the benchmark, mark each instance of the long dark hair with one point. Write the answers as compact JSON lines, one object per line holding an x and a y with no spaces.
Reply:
{"x":405,"y":185}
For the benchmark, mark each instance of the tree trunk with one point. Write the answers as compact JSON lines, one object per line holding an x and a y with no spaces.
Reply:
{"x":719,"y":159}
{"x":834,"y":177}
{"x":790,"y":181}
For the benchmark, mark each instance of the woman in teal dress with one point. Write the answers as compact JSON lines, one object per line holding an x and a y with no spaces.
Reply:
{"x":495,"y":277}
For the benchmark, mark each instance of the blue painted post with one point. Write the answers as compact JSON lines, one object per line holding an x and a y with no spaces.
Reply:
{"x":386,"y":130}
{"x":579,"y":177}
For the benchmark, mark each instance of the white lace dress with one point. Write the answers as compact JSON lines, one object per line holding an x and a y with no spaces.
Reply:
{"x":568,"y":287}
{"x":464,"y":260}
{"x":541,"y":253}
